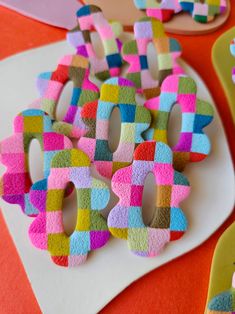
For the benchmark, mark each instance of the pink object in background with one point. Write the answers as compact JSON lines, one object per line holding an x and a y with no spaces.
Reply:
{"x":58,"y":13}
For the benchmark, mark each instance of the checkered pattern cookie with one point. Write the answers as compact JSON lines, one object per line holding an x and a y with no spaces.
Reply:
{"x":135,"y":119}
{"x":193,"y":145}
{"x":204,"y":11}
{"x":14,"y":154}
{"x":232,"y":50}
{"x":51,"y":84}
{"x":47,"y":230}
{"x":125,"y":219}
{"x":149,"y":30}
{"x":163,"y":10}
{"x":223,"y":303}
{"x":90,"y":17}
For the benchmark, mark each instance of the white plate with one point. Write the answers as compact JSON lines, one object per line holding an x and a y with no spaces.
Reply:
{"x":109,"y":270}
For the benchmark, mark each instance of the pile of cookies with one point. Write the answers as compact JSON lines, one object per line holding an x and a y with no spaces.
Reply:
{"x":143,"y":146}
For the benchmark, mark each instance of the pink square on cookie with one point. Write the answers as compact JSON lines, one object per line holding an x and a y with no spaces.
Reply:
{"x":54,"y":222}
{"x":104,"y":168}
{"x":53,"y":141}
{"x":188,"y":102}
{"x":125,"y":154}
{"x":58,"y":178}
{"x":19,"y":124}
{"x":157,"y":238}
{"x":13,"y":144}
{"x":102,"y":127}
{"x":88,"y":146}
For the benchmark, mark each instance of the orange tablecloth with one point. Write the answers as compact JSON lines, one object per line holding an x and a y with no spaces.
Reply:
{"x":180,"y":287}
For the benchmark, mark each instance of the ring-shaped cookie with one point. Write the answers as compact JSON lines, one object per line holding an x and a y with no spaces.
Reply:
{"x":193,"y":145}
{"x":146,"y":31}
{"x":50,"y":85}
{"x":47,"y":230}
{"x":125,"y":220}
{"x":16,"y":182}
{"x":162,"y":10}
{"x":90,"y":17}
{"x":204,"y":11}
{"x":135,"y":119}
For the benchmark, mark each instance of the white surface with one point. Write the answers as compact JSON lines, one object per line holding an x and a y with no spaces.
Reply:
{"x":109,"y":270}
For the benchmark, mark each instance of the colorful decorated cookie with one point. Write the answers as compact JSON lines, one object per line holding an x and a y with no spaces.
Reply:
{"x":125,"y":219}
{"x":90,"y":17}
{"x":204,"y":11}
{"x":14,"y":154}
{"x":162,"y":10}
{"x":149,"y":30}
{"x":193,"y":145}
{"x":51,"y":84}
{"x":232,"y":49}
{"x":135,"y":119}
{"x":224,"y":303}
{"x":47,"y":230}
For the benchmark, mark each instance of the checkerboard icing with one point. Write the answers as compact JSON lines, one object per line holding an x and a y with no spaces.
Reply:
{"x":204,"y":11}
{"x":125,"y":219}
{"x":14,"y":154}
{"x":223,"y":303}
{"x":232,"y":50}
{"x":47,"y":230}
{"x":162,"y":10}
{"x":149,"y":30}
{"x":135,"y":119}
{"x":90,"y":17}
{"x":51,"y":84}
{"x":193,"y":145}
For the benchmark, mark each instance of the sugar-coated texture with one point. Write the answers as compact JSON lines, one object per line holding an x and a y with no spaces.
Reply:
{"x":125,"y":219}
{"x":162,"y":10}
{"x":223,"y":303}
{"x":14,"y":154}
{"x":146,"y":31}
{"x":90,"y":17}
{"x":204,"y":11}
{"x":193,"y":145}
{"x":135,"y":119}
{"x":47,"y":230}
{"x":50,"y":85}
{"x":232,"y":50}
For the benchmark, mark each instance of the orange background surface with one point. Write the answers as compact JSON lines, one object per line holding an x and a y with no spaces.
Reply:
{"x":180,"y":287}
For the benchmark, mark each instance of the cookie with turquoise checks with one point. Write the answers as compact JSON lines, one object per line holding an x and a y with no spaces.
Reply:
{"x":232,"y":50}
{"x":47,"y":230}
{"x":204,"y":11}
{"x":90,"y":17}
{"x":135,"y":53}
{"x":223,"y":303}
{"x":71,"y":68}
{"x":16,"y":182}
{"x":135,"y":119}
{"x":169,"y":223}
{"x":163,"y":10}
{"x":193,"y":144}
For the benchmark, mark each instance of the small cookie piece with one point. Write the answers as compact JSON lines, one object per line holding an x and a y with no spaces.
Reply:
{"x":232,"y":50}
{"x":193,"y":145}
{"x":91,"y":17}
{"x":125,"y":219}
{"x":14,"y":154}
{"x":47,"y":230}
{"x":163,"y":10}
{"x":204,"y":11}
{"x":223,"y":303}
{"x":149,"y":30}
{"x":50,"y":85}
{"x":135,"y":119}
